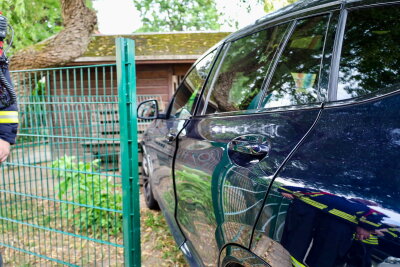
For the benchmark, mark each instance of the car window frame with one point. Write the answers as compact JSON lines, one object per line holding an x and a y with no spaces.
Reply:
{"x":338,"y":46}
{"x":212,"y":79}
{"x":216,"y":49}
{"x":321,"y":99}
{"x":226,"y":47}
{"x":332,"y":10}
{"x":222,"y":49}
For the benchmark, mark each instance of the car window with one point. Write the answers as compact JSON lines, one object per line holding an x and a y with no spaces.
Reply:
{"x":243,"y":70}
{"x":185,"y":99}
{"x":295,"y":80}
{"x":370,"y":57}
{"x":203,"y":99}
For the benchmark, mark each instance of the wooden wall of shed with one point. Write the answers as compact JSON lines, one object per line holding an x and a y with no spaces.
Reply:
{"x":69,"y":90}
{"x":151,"y":79}
{"x":83,"y":103}
{"x":157,"y":79}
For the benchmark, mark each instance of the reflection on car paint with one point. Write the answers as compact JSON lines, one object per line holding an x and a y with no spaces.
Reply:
{"x":234,"y":206}
{"x":336,"y":200}
{"x":241,"y":200}
{"x":240,"y":255}
{"x":324,"y":229}
{"x":193,"y":177}
{"x":350,"y":199}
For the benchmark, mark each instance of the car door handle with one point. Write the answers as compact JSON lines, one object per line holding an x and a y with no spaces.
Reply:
{"x":250,"y":148}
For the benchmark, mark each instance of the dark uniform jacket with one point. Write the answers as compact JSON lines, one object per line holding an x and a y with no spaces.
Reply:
{"x":348,"y":210}
{"x":8,"y":113}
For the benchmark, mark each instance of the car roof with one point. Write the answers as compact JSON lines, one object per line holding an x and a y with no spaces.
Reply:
{"x":299,"y":7}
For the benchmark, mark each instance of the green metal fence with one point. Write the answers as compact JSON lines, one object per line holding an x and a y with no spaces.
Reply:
{"x":64,"y":199}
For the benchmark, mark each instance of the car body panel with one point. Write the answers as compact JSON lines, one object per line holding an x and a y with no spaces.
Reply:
{"x":160,"y":152}
{"x":352,"y":155}
{"x":210,"y":187}
{"x":236,"y":254}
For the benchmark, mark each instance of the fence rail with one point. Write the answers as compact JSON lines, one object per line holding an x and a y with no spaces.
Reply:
{"x":61,"y":195}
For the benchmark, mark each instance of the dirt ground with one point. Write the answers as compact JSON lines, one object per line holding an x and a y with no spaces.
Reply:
{"x":158,"y":245}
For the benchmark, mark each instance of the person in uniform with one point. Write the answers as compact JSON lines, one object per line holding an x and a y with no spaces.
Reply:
{"x":8,"y":106}
{"x":8,"y":111}
{"x":320,"y":227}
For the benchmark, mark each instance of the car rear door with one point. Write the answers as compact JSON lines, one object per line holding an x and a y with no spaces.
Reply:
{"x":338,"y":195}
{"x":227,"y":155}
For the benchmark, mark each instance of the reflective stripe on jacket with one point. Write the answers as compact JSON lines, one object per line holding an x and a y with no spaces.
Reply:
{"x":8,"y":113}
{"x":348,"y":210}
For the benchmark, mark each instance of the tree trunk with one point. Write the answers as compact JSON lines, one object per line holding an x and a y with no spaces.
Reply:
{"x":71,"y":42}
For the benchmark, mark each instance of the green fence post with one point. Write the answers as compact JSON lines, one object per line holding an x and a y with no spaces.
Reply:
{"x":126,"y":73}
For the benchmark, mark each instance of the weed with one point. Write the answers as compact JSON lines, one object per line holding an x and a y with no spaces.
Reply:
{"x":98,"y":196}
{"x":155,"y":228}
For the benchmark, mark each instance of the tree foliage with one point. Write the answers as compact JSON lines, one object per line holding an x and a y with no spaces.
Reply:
{"x":32,"y":20}
{"x":187,"y":15}
{"x":370,"y":57}
{"x":269,"y":5}
{"x":79,"y":22}
{"x":272,"y":5}
{"x":177,"y":15}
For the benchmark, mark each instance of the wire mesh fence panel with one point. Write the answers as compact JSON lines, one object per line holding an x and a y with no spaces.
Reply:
{"x":61,"y":188}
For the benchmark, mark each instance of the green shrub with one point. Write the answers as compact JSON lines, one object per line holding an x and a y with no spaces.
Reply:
{"x":81,"y":183}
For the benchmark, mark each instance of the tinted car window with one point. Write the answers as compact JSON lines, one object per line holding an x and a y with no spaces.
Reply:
{"x":185,"y":99}
{"x":203,"y":100}
{"x":370,"y":57}
{"x":295,"y":80}
{"x":243,"y":70}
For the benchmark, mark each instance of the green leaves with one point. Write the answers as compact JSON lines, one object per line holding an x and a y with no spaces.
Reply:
{"x":32,"y":20}
{"x":272,"y":5}
{"x":82,"y":184}
{"x":177,"y":15}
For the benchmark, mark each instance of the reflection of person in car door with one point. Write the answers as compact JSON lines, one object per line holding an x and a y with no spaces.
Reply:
{"x":328,"y":223}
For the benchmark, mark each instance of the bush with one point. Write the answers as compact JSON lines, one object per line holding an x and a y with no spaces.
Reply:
{"x":96,"y":195}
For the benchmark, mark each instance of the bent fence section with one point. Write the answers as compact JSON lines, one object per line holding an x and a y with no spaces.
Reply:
{"x":62,"y":190}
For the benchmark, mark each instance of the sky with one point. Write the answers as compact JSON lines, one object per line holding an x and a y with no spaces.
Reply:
{"x":121,"y":17}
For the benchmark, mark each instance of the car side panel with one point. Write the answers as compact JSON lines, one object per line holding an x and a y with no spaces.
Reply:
{"x":233,"y":254}
{"x":160,"y":152}
{"x":344,"y":180}
{"x":218,"y":201}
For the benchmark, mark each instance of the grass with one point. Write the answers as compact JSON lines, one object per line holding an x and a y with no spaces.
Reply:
{"x":158,"y":245}
{"x":157,"y":241}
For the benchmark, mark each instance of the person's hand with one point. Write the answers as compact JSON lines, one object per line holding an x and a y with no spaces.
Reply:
{"x":4,"y":150}
{"x":362,"y":234}
{"x":287,"y":195}
{"x":381,"y":232}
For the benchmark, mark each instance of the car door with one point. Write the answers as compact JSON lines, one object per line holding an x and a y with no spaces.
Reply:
{"x":160,"y":140}
{"x":338,"y":195}
{"x":228,"y":154}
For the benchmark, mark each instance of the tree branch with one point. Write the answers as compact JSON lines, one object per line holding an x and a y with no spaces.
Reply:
{"x":79,"y":23}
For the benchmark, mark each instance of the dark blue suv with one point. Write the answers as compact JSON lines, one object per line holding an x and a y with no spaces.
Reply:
{"x":281,"y":147}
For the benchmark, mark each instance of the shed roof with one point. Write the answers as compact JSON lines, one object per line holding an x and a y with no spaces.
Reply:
{"x":176,"y":46}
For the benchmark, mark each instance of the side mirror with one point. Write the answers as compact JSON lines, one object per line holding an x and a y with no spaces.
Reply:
{"x":148,"y":110}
